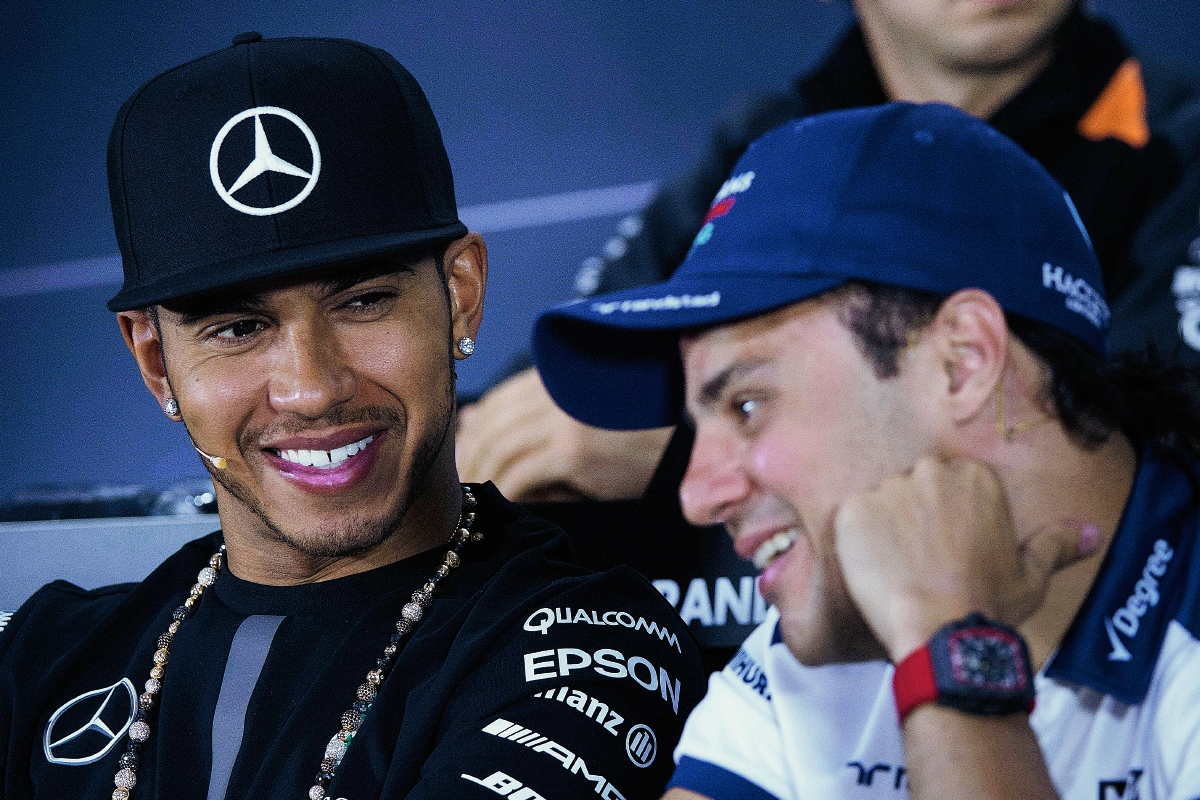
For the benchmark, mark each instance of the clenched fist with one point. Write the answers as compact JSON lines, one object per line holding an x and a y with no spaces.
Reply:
{"x":936,"y":543}
{"x":516,"y":436}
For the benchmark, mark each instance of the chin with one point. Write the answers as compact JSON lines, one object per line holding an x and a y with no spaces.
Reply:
{"x":818,"y":640}
{"x":351,"y":537}
{"x":1003,"y":43}
{"x":335,"y":534}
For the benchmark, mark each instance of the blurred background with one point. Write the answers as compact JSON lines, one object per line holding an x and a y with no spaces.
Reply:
{"x":559,"y":118}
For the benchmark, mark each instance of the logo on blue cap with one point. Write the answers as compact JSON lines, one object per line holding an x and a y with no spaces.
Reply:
{"x":723,"y":203}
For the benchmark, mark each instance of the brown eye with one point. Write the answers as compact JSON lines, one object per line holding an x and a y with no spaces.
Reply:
{"x":239,"y":329}
{"x":369,"y":300}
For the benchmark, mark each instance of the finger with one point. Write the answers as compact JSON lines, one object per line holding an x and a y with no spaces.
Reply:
{"x":507,"y":409}
{"x":1056,"y":548}
{"x":485,"y":440}
{"x":505,"y":453}
{"x":464,"y":414}
{"x":532,"y":475}
{"x":496,"y":418}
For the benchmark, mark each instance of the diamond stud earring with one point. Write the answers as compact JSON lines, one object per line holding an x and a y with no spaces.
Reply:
{"x":171,"y":406}
{"x":466,"y":345}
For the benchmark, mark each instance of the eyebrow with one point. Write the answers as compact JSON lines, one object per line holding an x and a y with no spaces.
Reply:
{"x":240,"y":305}
{"x":715,"y":386}
{"x":222,"y":306}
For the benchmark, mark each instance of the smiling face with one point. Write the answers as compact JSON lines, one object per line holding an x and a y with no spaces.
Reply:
{"x":791,"y":419}
{"x":331,"y":401}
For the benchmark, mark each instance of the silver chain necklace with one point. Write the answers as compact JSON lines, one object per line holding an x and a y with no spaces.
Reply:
{"x":352,"y":719}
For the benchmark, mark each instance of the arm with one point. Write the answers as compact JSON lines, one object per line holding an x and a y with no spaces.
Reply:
{"x":517,"y":437}
{"x":583,"y":693}
{"x":950,"y":754}
{"x":930,"y":547}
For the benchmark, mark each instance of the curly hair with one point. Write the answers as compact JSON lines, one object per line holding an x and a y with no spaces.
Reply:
{"x":1150,"y":398}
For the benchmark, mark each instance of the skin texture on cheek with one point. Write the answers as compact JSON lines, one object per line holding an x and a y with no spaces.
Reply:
{"x":819,"y":622}
{"x":316,"y":372}
{"x":833,"y":428}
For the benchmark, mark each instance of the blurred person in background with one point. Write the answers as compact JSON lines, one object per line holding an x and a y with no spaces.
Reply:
{"x":1121,"y":133}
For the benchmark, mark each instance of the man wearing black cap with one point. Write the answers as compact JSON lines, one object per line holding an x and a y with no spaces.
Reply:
{"x":297,"y":290}
{"x":889,"y":337}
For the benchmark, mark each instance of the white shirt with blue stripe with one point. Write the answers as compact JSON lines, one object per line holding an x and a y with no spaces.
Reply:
{"x":1118,"y":706}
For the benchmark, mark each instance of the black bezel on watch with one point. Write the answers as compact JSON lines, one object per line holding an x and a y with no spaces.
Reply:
{"x":982,"y":667}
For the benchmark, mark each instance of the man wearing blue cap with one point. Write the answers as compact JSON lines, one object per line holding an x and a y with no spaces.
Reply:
{"x":889,"y":339}
{"x":298,"y":290}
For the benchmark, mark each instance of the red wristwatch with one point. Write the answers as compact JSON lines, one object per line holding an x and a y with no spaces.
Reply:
{"x":975,"y":665}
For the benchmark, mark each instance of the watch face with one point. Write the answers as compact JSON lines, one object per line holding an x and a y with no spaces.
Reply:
{"x":986,"y":658}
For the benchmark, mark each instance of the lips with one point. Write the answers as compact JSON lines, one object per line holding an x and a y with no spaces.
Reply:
{"x":324,"y":459}
{"x":326,"y":464}
{"x":773,"y":548}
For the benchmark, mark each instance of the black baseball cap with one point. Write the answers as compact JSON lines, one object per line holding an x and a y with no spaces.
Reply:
{"x":921,"y":197}
{"x":271,"y":158}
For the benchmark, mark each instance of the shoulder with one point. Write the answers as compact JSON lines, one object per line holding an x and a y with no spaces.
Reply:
{"x":1174,"y":711}
{"x":56,"y":610}
{"x":530,"y":559}
{"x":593,"y":670}
{"x":733,"y":744}
{"x":542,"y":621}
{"x":61,"y":614}
{"x":1173,"y":104}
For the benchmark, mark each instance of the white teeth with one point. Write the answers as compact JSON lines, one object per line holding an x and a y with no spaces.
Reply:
{"x":326,"y":459}
{"x":772,"y":548}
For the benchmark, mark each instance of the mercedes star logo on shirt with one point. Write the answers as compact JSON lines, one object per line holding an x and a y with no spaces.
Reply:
{"x":264,"y":161}
{"x":83,"y":730}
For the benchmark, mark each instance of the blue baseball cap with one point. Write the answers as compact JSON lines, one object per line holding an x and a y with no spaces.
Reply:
{"x":922,"y":197}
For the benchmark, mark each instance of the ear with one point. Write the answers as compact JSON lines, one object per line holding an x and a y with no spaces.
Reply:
{"x":142,"y":339}
{"x":969,"y":336}
{"x":466,"y":280}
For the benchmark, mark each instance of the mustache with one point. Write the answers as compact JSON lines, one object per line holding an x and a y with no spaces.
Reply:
{"x":295,"y":425}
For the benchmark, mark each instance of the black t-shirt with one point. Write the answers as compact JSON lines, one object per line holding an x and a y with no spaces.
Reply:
{"x":527,"y":677}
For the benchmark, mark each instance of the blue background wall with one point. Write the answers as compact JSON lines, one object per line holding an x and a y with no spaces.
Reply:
{"x":534,"y":99}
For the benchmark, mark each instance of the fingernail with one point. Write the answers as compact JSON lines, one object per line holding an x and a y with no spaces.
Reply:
{"x":1089,"y":539}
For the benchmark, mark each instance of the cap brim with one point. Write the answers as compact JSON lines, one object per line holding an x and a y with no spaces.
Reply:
{"x":613,"y":361}
{"x":233,"y":272}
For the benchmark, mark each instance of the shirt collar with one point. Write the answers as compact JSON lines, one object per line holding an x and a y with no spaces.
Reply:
{"x":1146,"y":581}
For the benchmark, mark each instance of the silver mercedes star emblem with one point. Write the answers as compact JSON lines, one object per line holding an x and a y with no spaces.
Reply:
{"x":264,"y":161}
{"x":111,"y":712}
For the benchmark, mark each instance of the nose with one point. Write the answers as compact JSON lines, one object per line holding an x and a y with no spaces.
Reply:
{"x":714,"y":484}
{"x":311,"y":373}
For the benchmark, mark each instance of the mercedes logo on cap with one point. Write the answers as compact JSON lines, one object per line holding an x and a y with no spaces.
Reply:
{"x":93,"y":723}
{"x":264,"y":161}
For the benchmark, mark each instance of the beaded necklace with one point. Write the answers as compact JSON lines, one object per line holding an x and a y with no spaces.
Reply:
{"x":365,"y":695}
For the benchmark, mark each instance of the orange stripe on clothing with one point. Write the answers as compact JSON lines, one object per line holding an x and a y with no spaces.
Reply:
{"x":1120,"y":110}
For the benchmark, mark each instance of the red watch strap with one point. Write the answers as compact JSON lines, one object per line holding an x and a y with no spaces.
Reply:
{"x":913,"y":683}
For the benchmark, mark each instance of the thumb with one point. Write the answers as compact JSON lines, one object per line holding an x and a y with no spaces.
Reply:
{"x":1054,"y":548}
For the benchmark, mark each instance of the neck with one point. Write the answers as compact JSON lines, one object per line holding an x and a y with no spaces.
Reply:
{"x":259,"y":554}
{"x":1062,"y":488}
{"x":911,"y":73}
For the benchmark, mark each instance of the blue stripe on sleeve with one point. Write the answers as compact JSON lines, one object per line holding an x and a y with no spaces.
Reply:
{"x":715,"y":782}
